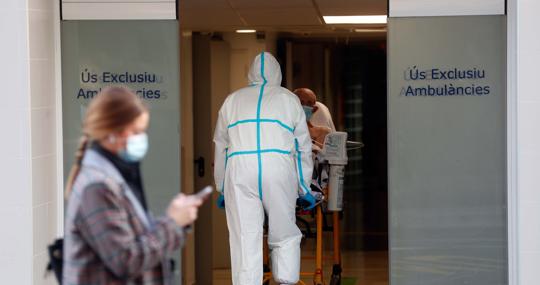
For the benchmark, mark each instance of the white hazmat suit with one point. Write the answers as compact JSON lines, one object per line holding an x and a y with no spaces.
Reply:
{"x":262,"y":163}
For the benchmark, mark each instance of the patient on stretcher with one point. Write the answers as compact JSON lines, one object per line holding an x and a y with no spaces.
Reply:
{"x":320,"y":124}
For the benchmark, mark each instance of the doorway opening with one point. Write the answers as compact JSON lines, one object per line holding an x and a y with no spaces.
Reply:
{"x":345,"y":65}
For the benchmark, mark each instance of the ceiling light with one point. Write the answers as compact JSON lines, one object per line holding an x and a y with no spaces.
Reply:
{"x":376,"y":19}
{"x":246,"y":31}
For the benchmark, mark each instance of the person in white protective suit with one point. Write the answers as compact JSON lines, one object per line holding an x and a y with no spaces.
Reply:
{"x":262,"y":164}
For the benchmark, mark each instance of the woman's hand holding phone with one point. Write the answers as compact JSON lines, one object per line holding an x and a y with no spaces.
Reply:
{"x":183,"y":209}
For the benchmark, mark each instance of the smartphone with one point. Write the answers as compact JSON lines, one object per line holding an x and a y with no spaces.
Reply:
{"x":204,"y":193}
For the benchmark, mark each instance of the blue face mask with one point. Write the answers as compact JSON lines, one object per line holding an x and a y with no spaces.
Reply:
{"x":136,"y":148}
{"x":309,"y":112}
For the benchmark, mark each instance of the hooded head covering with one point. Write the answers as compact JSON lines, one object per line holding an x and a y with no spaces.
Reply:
{"x":265,"y":69}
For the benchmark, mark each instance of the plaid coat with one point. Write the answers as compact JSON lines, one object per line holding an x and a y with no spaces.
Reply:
{"x":109,"y":238}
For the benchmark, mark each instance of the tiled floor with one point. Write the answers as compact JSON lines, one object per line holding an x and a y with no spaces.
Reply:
{"x":366,"y":268}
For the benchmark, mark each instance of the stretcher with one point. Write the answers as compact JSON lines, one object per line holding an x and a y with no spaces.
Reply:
{"x":336,"y":146}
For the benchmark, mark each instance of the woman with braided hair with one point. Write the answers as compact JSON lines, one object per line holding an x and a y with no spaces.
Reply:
{"x":109,"y":236}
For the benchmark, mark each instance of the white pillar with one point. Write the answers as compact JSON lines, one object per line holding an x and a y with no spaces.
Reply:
{"x":15,"y":146}
{"x":28,"y":148}
{"x":524,"y":60}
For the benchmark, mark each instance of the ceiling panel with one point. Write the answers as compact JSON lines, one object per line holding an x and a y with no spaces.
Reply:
{"x":273,"y":15}
{"x":280,"y":17}
{"x":276,"y":4}
{"x":352,"y":7}
{"x":209,"y":19}
{"x":204,"y":4}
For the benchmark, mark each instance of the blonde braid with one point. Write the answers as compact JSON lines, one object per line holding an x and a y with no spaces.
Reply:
{"x":79,"y":154}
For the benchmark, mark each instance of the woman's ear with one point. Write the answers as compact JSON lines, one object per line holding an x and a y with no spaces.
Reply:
{"x":115,"y":141}
{"x":315,"y":108}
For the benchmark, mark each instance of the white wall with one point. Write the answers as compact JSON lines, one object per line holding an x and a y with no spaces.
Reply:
{"x":524,"y":59}
{"x":15,"y":147}
{"x":118,"y":10}
{"x":42,"y":22}
{"x":414,"y":8}
{"x":28,"y":145}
